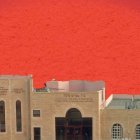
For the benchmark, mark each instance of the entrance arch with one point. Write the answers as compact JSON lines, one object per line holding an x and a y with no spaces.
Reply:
{"x":73,"y":126}
{"x":73,"y":117}
{"x":73,"y":113}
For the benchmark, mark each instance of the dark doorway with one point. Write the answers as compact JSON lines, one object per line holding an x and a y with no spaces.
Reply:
{"x":73,"y":126}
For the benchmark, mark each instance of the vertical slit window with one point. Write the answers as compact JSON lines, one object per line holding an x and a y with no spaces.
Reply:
{"x":2,"y":116}
{"x":18,"y":116}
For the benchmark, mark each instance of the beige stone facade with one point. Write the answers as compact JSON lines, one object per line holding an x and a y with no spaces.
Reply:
{"x":70,"y":110}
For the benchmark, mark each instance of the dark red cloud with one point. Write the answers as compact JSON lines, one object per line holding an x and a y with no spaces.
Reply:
{"x":93,"y":40}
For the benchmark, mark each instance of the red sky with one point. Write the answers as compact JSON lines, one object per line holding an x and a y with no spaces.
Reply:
{"x":72,"y":39}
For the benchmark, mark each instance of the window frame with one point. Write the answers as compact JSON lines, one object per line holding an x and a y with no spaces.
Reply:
{"x":4,"y":110}
{"x":36,"y":110}
{"x":137,"y":129}
{"x":19,"y":131}
{"x":34,"y":131}
{"x":116,"y":131}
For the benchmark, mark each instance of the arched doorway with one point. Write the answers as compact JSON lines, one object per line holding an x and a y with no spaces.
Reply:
{"x":73,"y":126}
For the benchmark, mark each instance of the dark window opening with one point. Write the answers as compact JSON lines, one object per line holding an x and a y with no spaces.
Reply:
{"x":2,"y":116}
{"x":36,"y":113}
{"x":102,"y":95}
{"x":18,"y":116}
{"x":37,"y":133}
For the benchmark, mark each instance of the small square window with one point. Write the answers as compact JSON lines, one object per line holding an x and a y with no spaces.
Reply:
{"x":36,"y":113}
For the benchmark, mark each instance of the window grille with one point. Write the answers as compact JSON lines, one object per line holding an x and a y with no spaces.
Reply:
{"x":37,"y":133}
{"x":36,"y":113}
{"x":117,"y":132}
{"x":137,"y":132}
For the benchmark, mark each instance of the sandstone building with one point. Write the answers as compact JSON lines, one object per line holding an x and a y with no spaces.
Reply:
{"x":65,"y":110}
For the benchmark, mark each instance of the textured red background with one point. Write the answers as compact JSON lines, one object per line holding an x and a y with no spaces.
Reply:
{"x":72,"y":39}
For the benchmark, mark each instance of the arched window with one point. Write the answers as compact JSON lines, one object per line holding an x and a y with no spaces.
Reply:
{"x":137,"y":132}
{"x":117,"y":132}
{"x":2,"y":116}
{"x":73,"y":113}
{"x":18,"y":116}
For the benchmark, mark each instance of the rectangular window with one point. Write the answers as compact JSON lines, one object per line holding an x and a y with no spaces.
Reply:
{"x":18,"y":116}
{"x":2,"y":116}
{"x":36,"y":113}
{"x":37,"y":133}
